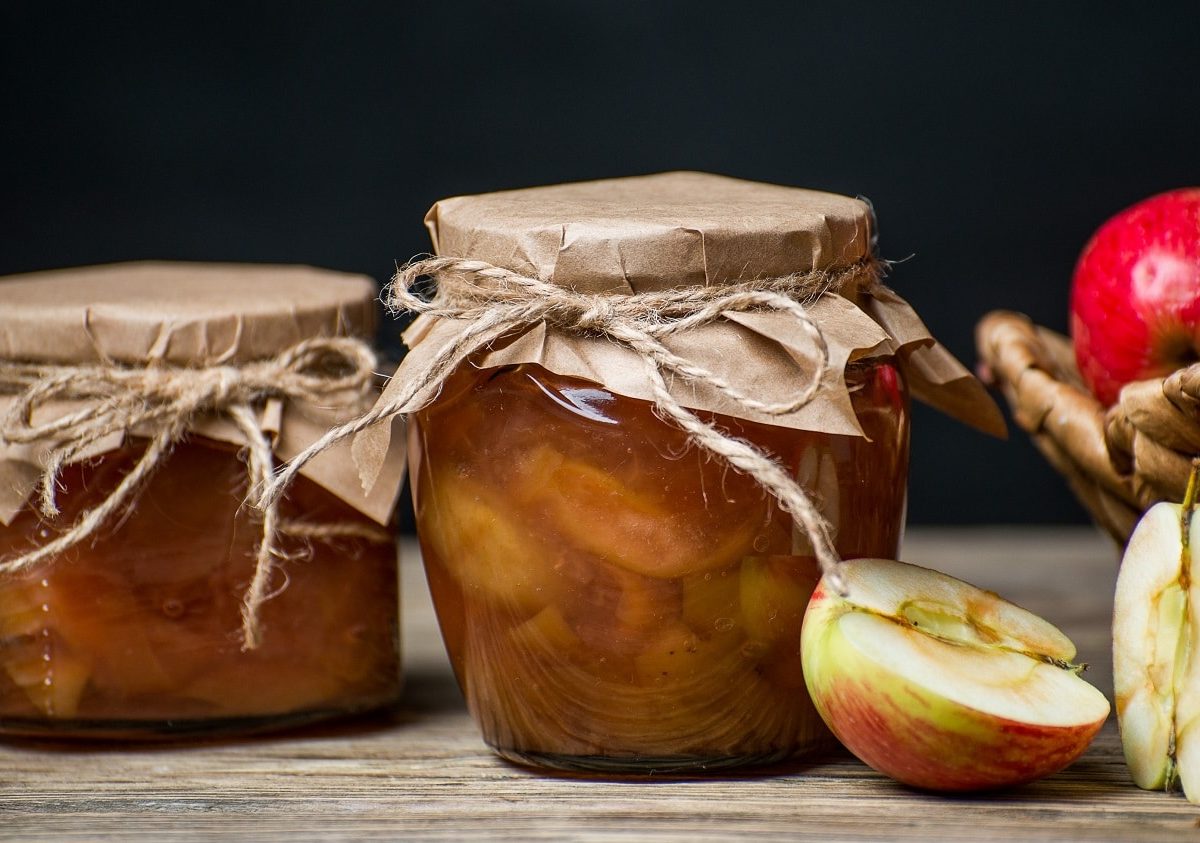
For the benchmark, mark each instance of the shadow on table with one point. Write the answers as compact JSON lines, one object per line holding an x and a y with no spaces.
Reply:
{"x":817,"y":763}
{"x":427,"y":693}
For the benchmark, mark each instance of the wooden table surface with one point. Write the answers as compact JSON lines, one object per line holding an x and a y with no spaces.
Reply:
{"x":423,"y":773}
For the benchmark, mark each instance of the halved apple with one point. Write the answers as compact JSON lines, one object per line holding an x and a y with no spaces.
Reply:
{"x":942,"y":685}
{"x":1155,"y":634}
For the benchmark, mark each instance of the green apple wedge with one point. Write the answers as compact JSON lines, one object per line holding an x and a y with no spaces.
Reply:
{"x":942,"y":685}
{"x":1156,"y":633}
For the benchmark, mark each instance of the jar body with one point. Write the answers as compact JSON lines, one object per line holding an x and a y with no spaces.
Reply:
{"x":137,"y":634}
{"x":613,"y":598}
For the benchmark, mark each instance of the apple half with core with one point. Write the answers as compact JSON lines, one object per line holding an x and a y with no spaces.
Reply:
{"x":942,"y":685}
{"x":1156,"y":633}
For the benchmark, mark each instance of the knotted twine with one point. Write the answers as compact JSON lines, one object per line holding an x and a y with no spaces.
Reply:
{"x":165,"y":400}
{"x":499,"y":303}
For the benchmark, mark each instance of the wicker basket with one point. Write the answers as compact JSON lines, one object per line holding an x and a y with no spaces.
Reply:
{"x":1118,"y":461}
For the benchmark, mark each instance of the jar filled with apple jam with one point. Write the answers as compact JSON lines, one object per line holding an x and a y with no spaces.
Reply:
{"x":612,"y":596}
{"x":141,"y":596}
{"x":657,"y":375}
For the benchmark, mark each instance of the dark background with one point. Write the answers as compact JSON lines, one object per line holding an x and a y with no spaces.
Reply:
{"x":992,"y":141}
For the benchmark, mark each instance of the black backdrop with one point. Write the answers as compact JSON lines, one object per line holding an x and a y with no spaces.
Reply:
{"x":992,"y":140}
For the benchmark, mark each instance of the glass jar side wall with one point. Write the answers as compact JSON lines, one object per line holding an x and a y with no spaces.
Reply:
{"x":612,"y":597}
{"x":139,"y":633}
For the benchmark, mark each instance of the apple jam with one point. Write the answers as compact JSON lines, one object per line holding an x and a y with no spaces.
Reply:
{"x":138,"y":633}
{"x":612,"y":597}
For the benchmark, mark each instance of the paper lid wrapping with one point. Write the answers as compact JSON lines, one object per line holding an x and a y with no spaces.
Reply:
{"x":187,"y":314}
{"x":191,"y":315}
{"x":656,"y":232}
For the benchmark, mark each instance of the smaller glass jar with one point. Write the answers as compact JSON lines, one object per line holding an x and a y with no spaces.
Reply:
{"x":137,"y":632}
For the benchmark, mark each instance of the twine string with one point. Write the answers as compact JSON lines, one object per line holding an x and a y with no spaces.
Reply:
{"x":331,"y":371}
{"x":498,"y":303}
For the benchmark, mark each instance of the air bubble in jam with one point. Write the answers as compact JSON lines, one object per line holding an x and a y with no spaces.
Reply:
{"x":598,"y":606}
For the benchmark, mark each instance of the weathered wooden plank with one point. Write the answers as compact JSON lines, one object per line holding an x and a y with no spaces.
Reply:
{"x":423,"y":773}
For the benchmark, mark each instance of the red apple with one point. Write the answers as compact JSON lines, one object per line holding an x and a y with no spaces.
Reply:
{"x":1135,"y":298}
{"x":942,"y":685}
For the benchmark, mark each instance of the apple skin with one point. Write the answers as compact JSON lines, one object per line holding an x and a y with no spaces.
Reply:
{"x":1135,"y":295}
{"x":914,"y":736}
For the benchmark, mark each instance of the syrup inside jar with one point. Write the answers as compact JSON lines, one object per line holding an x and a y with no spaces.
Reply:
{"x":615,"y":598}
{"x":139,"y":633}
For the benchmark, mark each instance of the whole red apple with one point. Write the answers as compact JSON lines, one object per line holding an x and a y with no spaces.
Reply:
{"x":1135,"y":298}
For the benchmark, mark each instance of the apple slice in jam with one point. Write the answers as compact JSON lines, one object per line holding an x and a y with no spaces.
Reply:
{"x":484,"y":546}
{"x":942,"y":685}
{"x":636,"y":527}
{"x":33,"y":654}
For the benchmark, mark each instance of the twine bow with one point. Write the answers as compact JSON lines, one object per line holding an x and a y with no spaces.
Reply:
{"x":165,"y":401}
{"x":499,"y":303}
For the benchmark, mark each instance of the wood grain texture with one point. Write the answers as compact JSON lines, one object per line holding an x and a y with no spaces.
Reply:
{"x":423,"y":773}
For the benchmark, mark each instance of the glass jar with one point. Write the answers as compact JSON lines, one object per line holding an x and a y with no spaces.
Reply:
{"x":612,"y":598}
{"x":139,"y":633}
{"x":138,"y":630}
{"x":613,"y":593}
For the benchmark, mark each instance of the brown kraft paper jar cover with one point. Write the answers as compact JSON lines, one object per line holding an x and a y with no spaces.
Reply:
{"x":154,"y":394}
{"x":612,"y":595}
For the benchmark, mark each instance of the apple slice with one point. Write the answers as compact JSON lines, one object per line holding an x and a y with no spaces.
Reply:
{"x":942,"y":685}
{"x":52,"y":677}
{"x":485,"y":547}
{"x":1156,"y":679}
{"x":629,"y":526}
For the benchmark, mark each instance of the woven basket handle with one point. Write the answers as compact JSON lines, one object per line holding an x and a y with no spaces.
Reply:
{"x":1035,"y":370}
{"x":1153,"y":432}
